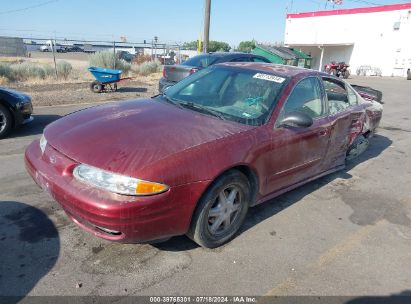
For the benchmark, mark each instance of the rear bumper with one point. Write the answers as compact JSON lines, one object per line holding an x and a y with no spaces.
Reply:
{"x":164,"y":83}
{"x":107,"y":215}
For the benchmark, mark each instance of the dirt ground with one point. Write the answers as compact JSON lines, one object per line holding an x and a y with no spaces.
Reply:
{"x":46,"y":94}
{"x":76,"y":90}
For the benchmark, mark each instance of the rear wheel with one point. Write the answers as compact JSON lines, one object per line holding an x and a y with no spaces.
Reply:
{"x":5,"y":121}
{"x":96,"y":87}
{"x":359,"y":145}
{"x":221,"y":210}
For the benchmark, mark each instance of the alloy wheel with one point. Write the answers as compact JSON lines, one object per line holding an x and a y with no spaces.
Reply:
{"x":225,"y":210}
{"x":3,"y":121}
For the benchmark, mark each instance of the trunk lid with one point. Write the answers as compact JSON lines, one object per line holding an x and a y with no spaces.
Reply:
{"x":178,"y":72}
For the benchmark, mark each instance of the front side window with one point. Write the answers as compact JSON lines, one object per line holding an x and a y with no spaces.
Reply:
{"x":245,"y":96}
{"x":305,"y":97}
{"x":258,"y":59}
{"x":337,"y":95}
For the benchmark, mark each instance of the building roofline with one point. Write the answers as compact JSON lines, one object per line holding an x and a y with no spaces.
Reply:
{"x":350,"y":11}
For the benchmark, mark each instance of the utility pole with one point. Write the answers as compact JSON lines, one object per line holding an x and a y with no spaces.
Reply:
{"x":207,"y":12}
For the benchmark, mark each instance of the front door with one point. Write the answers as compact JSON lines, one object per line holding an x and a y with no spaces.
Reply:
{"x":298,"y":153}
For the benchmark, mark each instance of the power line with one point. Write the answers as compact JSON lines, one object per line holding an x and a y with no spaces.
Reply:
{"x":28,"y":7}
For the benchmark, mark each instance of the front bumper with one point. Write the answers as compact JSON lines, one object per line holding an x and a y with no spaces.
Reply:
{"x":23,"y":114}
{"x":107,"y":215}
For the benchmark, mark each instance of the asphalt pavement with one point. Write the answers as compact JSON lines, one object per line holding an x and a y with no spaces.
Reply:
{"x":348,"y":233}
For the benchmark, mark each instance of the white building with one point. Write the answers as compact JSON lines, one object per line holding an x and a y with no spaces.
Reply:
{"x":378,"y":36}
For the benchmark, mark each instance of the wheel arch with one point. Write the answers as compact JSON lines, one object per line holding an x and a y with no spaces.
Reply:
{"x":11,"y":110}
{"x":249,"y":173}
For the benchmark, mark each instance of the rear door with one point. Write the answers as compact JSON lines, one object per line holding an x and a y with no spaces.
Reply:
{"x":298,"y":153}
{"x":346,"y":119}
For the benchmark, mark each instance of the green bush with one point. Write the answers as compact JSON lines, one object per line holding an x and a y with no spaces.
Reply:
{"x":6,"y":71}
{"x":106,"y":59}
{"x":147,"y":68}
{"x":27,"y":70}
{"x":63,"y":69}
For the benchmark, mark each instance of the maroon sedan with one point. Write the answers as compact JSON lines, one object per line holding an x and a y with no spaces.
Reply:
{"x":193,"y":160}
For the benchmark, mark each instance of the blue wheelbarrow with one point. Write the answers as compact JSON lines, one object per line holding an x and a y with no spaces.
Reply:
{"x":106,"y":79}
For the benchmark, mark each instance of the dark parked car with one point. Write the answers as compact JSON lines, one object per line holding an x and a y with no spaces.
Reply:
{"x":15,"y":110}
{"x":73,"y":48}
{"x":174,"y":73}
{"x":126,"y":56}
{"x":193,"y":160}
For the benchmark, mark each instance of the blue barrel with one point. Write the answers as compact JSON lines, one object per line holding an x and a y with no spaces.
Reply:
{"x":105,"y":75}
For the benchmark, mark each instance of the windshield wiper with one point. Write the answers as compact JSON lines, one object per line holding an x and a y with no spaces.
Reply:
{"x":168,"y":99}
{"x":203,"y":109}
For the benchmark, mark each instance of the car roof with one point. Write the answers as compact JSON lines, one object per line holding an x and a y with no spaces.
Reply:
{"x":271,"y":68}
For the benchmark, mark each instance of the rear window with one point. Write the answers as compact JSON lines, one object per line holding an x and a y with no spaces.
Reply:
{"x":201,"y":61}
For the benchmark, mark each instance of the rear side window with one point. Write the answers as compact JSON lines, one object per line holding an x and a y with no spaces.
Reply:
{"x":258,"y":59}
{"x":201,"y":61}
{"x":241,"y":59}
{"x":305,"y":97}
{"x":352,"y":97}
{"x":337,"y":95}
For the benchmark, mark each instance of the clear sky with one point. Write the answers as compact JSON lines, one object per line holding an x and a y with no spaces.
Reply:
{"x":171,"y":20}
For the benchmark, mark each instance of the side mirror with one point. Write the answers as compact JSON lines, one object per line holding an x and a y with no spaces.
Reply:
{"x":297,"y":119}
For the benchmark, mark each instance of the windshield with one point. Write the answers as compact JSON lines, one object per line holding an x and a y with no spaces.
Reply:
{"x":201,"y":61}
{"x":235,"y":94}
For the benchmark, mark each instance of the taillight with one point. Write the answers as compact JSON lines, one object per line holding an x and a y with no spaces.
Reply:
{"x":164,"y":73}
{"x":192,"y":71}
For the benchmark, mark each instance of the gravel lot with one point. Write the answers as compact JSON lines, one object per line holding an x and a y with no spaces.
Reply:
{"x":47,"y":94}
{"x":348,"y":233}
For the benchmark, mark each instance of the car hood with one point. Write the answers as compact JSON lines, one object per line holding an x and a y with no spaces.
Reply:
{"x":13,"y":93}
{"x":125,"y":137}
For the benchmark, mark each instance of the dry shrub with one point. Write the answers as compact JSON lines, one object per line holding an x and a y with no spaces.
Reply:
{"x":106,"y":59}
{"x":27,"y":71}
{"x":147,"y":68}
{"x":11,"y":59}
{"x":141,"y":58}
{"x":4,"y":80}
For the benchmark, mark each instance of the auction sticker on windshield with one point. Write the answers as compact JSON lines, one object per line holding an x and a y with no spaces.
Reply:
{"x":269,"y":77}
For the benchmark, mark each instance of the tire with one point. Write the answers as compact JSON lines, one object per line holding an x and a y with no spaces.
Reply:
{"x":216,"y":221}
{"x":6,"y":121}
{"x":96,"y":87}
{"x":359,"y":145}
{"x":346,"y":74}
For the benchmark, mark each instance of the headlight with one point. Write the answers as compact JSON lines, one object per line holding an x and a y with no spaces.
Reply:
{"x":115,"y":182}
{"x":43,"y":143}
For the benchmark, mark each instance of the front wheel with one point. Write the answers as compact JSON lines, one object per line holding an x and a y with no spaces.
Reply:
{"x":5,"y":121}
{"x":359,"y":145}
{"x":221,"y":210}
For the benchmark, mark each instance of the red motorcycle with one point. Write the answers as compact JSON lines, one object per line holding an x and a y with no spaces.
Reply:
{"x":338,"y":69}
